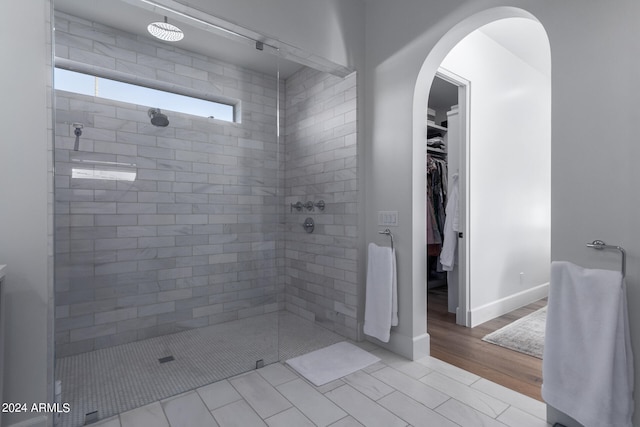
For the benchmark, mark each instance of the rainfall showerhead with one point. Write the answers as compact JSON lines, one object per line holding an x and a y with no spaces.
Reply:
{"x":157,"y":118}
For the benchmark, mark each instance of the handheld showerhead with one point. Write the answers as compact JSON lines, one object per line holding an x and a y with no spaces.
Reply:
{"x":157,"y":118}
{"x":77,"y":132}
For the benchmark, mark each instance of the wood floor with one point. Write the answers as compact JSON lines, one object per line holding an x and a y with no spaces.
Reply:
{"x":463,"y":347}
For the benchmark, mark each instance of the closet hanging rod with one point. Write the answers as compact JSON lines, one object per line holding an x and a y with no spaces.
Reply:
{"x":388,"y":233}
{"x":599,"y":245}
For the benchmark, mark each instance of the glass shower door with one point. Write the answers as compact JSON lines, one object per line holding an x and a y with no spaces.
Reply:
{"x":169,"y":261}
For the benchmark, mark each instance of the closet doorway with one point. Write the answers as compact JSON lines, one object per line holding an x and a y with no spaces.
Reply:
{"x":447,"y":146}
{"x":503,"y":139}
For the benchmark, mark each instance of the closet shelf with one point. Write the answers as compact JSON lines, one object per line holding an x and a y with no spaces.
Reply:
{"x":434,"y":129}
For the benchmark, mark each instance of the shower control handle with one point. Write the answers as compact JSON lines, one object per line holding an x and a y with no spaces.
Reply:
{"x":308,"y":225}
{"x":309,"y":205}
{"x":297,"y":206}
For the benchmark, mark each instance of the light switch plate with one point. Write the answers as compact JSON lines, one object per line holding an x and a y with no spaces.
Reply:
{"x":388,"y":218}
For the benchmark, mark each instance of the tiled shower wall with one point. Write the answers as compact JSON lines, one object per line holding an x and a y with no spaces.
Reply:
{"x":198,"y":238}
{"x":321,"y":164}
{"x":195,"y":239}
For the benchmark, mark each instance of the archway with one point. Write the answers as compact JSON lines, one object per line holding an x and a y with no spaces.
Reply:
{"x":508,"y":296}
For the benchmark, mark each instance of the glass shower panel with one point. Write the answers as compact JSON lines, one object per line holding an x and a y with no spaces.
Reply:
{"x":169,"y":258}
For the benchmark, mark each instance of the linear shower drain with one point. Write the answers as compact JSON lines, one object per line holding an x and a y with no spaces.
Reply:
{"x":166,"y":359}
{"x":90,"y":418}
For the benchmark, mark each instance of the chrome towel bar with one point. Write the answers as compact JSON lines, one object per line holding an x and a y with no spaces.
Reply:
{"x":599,"y":244}
{"x":388,"y":233}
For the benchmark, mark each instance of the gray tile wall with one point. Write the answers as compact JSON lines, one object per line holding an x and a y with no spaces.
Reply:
{"x":199,"y":238}
{"x":195,"y":239}
{"x":320,"y":151}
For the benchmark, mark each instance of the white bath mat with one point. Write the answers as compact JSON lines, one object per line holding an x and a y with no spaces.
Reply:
{"x":333,"y":362}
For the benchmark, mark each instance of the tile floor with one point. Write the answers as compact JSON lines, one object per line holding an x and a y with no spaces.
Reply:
{"x":392,"y":392}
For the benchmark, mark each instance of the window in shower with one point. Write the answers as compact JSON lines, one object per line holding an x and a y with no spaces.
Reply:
{"x":86,"y":84}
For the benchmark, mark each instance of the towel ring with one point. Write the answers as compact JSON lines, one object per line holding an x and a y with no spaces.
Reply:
{"x":388,"y":233}
{"x":599,"y":245}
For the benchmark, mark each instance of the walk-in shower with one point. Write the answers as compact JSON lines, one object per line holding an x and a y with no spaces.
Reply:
{"x":178,"y":261}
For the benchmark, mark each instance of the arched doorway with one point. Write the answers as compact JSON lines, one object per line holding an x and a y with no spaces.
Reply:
{"x":504,"y":200}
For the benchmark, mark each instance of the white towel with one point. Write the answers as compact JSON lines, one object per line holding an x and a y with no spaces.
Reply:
{"x":381,"y":302}
{"x":587,"y":367}
{"x":394,"y":290}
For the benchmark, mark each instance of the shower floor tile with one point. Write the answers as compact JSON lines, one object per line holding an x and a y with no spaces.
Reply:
{"x":117,"y":379}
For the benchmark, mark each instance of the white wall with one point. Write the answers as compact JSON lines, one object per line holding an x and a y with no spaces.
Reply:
{"x":24,"y":241}
{"x":510,"y":173}
{"x":595,"y":127}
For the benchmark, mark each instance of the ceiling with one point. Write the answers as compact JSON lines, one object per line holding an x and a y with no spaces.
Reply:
{"x":521,"y":36}
{"x":442,"y":95}
{"x":133,"y":17}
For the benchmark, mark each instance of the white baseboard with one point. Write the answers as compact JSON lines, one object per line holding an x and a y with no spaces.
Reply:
{"x":505,"y":305}
{"x":39,"y":421}
{"x":421,"y":346}
{"x":413,"y":348}
{"x":462,"y":318}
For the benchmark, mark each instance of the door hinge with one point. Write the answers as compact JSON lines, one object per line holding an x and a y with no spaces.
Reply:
{"x":460,"y":235}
